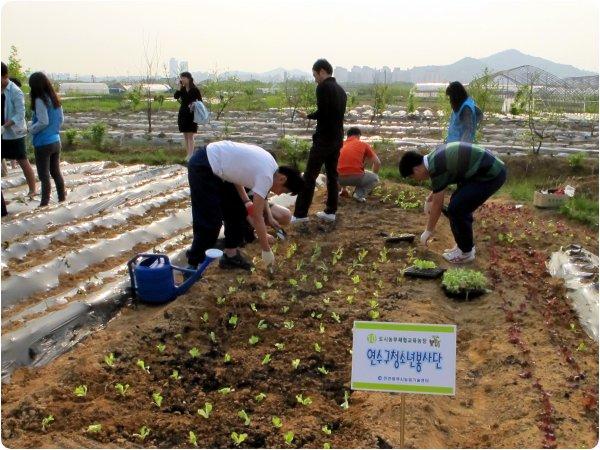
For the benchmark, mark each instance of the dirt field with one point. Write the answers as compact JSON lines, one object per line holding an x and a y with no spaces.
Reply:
{"x":523,"y":378}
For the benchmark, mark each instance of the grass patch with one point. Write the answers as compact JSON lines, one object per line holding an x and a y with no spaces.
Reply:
{"x":153,"y":157}
{"x":581,"y":209}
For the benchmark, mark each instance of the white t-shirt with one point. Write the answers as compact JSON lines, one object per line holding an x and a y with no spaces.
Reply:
{"x":244,"y":164}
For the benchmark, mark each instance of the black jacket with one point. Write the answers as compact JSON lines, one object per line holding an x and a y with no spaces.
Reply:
{"x":331,"y":107}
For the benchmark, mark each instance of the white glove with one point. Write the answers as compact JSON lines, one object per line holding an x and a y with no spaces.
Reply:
{"x":425,"y":237}
{"x":427,"y":206}
{"x":268,"y":257}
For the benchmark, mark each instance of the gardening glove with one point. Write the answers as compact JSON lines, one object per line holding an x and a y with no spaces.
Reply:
{"x":425,"y":237}
{"x":268,"y":257}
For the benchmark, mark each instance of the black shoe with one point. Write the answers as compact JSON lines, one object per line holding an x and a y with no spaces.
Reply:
{"x":234,"y":262}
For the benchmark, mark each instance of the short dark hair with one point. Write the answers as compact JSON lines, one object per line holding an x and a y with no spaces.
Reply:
{"x":322,"y":64}
{"x":408,"y":162}
{"x":294,"y":182}
{"x":457,"y":93}
{"x":16,"y":81}
{"x":4,"y":70}
{"x":353,"y":131}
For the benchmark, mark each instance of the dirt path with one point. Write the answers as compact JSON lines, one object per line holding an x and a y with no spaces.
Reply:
{"x":520,"y":380}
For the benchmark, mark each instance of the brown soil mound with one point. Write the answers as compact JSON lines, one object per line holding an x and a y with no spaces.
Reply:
{"x":524,"y":379}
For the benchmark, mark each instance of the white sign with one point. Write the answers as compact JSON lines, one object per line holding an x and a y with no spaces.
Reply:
{"x":404,"y":357}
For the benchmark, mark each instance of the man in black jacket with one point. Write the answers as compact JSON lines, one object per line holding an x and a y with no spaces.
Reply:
{"x":327,"y":142}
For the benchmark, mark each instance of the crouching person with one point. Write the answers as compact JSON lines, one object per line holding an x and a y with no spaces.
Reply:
{"x":477,"y":173}
{"x":218,"y":174}
{"x":355,"y":156}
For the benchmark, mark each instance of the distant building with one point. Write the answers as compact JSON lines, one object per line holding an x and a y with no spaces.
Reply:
{"x":173,"y":68}
{"x":83,"y":88}
{"x":183,"y":66}
{"x":428,"y":89}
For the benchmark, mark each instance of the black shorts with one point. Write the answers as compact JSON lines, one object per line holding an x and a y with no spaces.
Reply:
{"x":14,"y":148}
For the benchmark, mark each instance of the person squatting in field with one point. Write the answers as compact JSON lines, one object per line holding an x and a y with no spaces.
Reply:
{"x":218,"y":174}
{"x":327,"y":142}
{"x":276,"y":216}
{"x":477,"y":173}
{"x":354,"y":157}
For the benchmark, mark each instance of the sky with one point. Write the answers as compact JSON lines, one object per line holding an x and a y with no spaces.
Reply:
{"x":109,"y":37}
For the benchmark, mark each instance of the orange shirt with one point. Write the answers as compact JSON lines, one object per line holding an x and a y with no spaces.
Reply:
{"x":353,"y":155}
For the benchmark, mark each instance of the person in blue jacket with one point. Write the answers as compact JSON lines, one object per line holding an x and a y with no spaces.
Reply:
{"x":465,"y":114}
{"x":45,"y":131}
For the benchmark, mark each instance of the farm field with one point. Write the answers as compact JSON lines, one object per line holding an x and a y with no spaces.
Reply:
{"x":275,"y":350}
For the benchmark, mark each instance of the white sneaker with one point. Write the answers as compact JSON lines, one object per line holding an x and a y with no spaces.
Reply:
{"x":451,"y":250}
{"x":358,"y":198}
{"x":327,"y":217}
{"x":298,"y":220}
{"x":460,"y":257}
{"x":452,"y":253}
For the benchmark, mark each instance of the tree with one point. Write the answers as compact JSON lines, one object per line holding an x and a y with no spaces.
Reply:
{"x":381,"y":95}
{"x":411,"y":102}
{"x":151,"y":67}
{"x":15,"y":68}
{"x":134,"y":96}
{"x":484,"y":90}
{"x":299,"y":95}
{"x":220,"y":92}
{"x":443,"y":105}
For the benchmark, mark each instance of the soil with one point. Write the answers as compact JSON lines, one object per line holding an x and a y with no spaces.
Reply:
{"x":523,"y":378}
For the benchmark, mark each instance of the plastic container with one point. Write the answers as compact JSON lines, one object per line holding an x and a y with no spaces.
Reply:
{"x":548,"y":200}
{"x":430,"y":274}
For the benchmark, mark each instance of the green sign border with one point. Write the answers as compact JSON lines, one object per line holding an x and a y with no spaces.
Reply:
{"x":384,"y":326}
{"x":418,"y":389}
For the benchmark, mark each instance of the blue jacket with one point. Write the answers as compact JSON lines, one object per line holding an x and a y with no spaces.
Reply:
{"x":45,"y":126}
{"x":456,"y":128}
{"x":14,"y":109}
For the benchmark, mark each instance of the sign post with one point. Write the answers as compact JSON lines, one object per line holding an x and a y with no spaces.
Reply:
{"x":404,"y":358}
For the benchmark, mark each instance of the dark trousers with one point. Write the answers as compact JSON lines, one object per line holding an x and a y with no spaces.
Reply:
{"x":318,"y":156}
{"x":214,"y":202}
{"x":47,"y":162}
{"x":466,"y":199}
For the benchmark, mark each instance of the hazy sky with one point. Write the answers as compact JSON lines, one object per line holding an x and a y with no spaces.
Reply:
{"x":107,"y":37}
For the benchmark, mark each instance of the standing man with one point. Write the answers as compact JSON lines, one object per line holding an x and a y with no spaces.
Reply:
{"x":218,"y":174}
{"x":478,"y":175}
{"x":327,"y":142}
{"x":354,"y":157}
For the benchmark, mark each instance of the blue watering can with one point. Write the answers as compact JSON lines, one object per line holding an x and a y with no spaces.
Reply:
{"x":153,"y":279}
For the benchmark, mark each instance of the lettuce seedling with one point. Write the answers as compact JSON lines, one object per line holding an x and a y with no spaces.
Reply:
{"x":317,"y":347}
{"x":289,"y":324}
{"x":373,"y":304}
{"x":288,"y":437}
{"x":267,"y":359}
{"x":299,"y":265}
{"x":227,"y":358}
{"x":291,"y":250}
{"x":238,"y":438}
{"x":350,"y":299}
{"x":46,"y":421}
{"x":362,"y":254}
{"x":323,"y":370}
{"x":175,"y":375}
{"x":285,"y":309}
{"x":276,"y":421}
{"x":233,"y":320}
{"x":260,"y":397}
{"x":178,"y":336}
{"x":262,"y":324}
{"x":326,"y":445}
{"x":304,"y":401}
{"x":193,"y":439}
{"x":337,"y":255}
{"x":326,"y":300}
{"x":143,"y":434}
{"x":345,"y":405}
{"x":295,"y":363}
{"x":110,"y":360}
{"x":225,"y":390}
{"x":304,"y":277}
{"x":194,"y":352}
{"x":161,"y":347}
{"x":241,"y":280}
{"x":253,"y":340}
{"x":157,"y":398}
{"x":383,"y":255}
{"x":232,"y":290}
{"x":205,"y":317}
{"x":220,"y":300}
{"x":455,"y":280}
{"x":279,"y":346}
{"x":253,"y":307}
{"x":142,"y":365}
{"x":336,"y":317}
{"x":205,"y":412}
{"x":213,"y":337}
{"x":318,"y":284}
{"x":326,"y":430}
{"x":355,"y":279}
{"x":374,"y":314}
{"x":316,"y":252}
{"x":80,"y":391}
{"x":244,"y":416}
{"x":293,"y":282}
{"x":121,"y":389}
{"x":94,"y":428}
{"x":423,"y":264}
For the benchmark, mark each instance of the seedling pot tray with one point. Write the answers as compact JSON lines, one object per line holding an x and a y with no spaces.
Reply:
{"x":430,"y":274}
{"x":464,"y":294}
{"x":406,"y":237}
